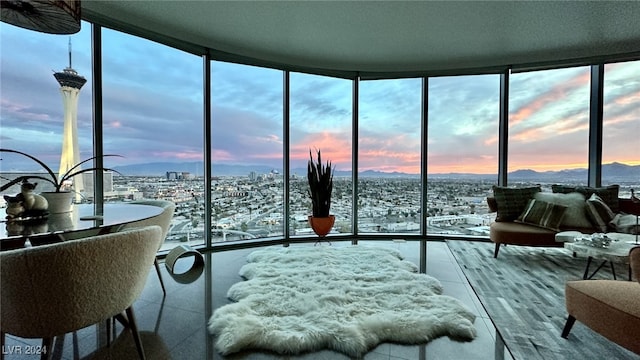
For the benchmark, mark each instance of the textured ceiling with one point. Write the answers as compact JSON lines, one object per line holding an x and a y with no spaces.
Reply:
{"x":388,"y":36}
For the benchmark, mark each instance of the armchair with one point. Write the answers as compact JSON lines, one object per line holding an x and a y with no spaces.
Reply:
{"x":54,"y":289}
{"x":609,"y":307}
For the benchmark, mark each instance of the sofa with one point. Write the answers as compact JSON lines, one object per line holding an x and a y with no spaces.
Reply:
{"x":528,"y":216}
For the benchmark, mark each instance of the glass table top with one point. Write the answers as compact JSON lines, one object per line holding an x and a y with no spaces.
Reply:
{"x":81,"y":217}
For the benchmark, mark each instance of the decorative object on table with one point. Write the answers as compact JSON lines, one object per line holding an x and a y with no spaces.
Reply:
{"x":61,"y":198}
{"x":15,"y":207}
{"x":599,"y":240}
{"x":348,"y":299}
{"x":32,"y":201}
{"x":27,"y":204}
{"x":320,"y":177}
{"x":48,"y":16}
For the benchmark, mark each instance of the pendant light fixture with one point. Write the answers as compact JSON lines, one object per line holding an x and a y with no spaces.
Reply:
{"x":48,"y":16}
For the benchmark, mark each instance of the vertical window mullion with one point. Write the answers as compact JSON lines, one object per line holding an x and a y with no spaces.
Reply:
{"x":286,"y":129}
{"x":206,"y":97}
{"x":503,"y":129}
{"x":354,"y":156}
{"x":595,"y":125}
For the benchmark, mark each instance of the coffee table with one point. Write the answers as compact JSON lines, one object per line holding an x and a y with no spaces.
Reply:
{"x":616,"y":252}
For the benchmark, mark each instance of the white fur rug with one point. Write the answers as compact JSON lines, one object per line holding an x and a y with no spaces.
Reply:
{"x":347,"y":299}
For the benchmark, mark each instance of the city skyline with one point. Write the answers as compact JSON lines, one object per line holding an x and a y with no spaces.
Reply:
{"x":144,"y":111}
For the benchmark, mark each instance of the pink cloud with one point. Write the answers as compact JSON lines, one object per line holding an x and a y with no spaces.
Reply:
{"x":22,"y":112}
{"x":335,"y":147}
{"x":115,"y":124}
{"x":190,"y":156}
{"x":555,"y":94}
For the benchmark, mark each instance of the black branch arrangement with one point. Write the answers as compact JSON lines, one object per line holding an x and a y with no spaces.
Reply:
{"x":320,"y":178}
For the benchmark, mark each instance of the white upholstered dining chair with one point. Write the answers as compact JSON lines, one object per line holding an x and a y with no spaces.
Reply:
{"x":54,"y":289}
{"x":163,"y":220}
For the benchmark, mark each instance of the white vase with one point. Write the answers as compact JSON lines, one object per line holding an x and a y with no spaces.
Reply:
{"x":59,"y":202}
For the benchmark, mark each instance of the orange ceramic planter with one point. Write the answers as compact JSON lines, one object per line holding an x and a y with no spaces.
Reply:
{"x":322,"y":225}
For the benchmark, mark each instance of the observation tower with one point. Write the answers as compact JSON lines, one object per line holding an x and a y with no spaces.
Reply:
{"x":70,"y":85}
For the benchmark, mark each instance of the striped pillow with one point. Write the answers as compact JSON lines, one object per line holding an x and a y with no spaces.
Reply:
{"x":543,"y":214}
{"x":599,"y":212}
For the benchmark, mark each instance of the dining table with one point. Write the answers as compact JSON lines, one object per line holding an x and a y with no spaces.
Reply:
{"x":83,"y":220}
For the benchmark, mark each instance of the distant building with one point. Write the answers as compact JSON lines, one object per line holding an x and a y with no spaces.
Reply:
{"x":107,"y":183}
{"x":179,"y":175}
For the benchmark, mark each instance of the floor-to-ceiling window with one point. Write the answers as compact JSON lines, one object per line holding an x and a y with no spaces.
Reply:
{"x":247,"y":152}
{"x":462,"y":152}
{"x":320,"y":120}
{"x":389,"y":148}
{"x":549,"y":126}
{"x":621,"y":126}
{"x":152,"y":117}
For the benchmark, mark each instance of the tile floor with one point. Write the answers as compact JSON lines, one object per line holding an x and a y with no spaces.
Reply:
{"x":176,"y":327}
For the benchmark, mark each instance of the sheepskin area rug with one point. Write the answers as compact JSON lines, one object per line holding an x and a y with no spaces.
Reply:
{"x":348,"y":299}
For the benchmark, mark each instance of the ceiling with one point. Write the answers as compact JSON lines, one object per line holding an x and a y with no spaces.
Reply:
{"x":384,"y":36}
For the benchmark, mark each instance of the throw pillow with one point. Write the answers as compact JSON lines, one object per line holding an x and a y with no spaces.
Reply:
{"x":543,"y":214}
{"x":512,"y":201}
{"x":609,"y":194}
{"x":625,"y":223}
{"x":599,"y":212}
{"x":576,"y":215}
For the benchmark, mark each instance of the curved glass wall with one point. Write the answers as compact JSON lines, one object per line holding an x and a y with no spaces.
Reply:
{"x":152,"y":97}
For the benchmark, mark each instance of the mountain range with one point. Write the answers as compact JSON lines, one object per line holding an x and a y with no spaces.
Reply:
{"x":613,"y":171}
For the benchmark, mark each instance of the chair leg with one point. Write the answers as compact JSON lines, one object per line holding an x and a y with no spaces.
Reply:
{"x":567,"y":327}
{"x":134,"y":331}
{"x":155,"y":262}
{"x":47,"y":348}
{"x":108,"y":323}
{"x":2,"y":334}
{"x":122,"y":319}
{"x":495,"y":252}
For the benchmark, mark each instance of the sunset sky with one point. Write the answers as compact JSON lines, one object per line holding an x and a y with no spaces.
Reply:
{"x":153,"y":111}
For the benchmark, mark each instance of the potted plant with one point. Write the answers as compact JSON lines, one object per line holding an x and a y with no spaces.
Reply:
{"x":61,"y":198}
{"x":320,"y":177}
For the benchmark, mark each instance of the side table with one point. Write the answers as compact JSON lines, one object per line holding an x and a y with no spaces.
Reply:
{"x":616,"y":252}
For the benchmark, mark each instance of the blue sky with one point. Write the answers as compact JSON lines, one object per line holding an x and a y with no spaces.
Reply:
{"x":153,"y":111}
